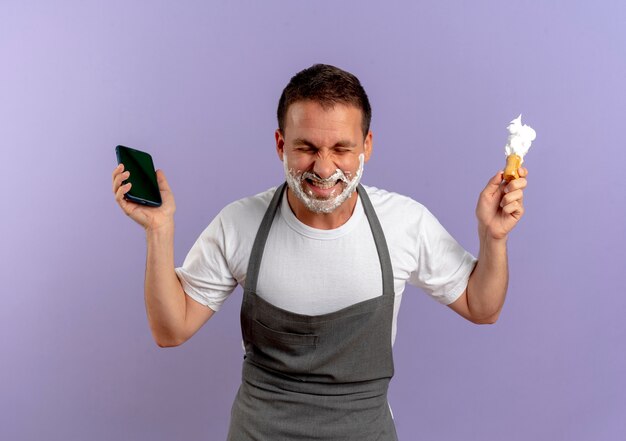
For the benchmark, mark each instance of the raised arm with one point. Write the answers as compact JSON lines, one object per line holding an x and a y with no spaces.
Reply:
{"x":500,"y":206}
{"x":172,"y":315}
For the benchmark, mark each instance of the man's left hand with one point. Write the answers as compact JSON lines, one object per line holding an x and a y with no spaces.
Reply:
{"x":501,"y":205}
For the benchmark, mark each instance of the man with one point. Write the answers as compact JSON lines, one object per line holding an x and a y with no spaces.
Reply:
{"x":312,"y":257}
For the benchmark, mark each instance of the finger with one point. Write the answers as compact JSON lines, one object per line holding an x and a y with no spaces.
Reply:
{"x":523,"y":172}
{"x":119,"y":197}
{"x":117,"y":180}
{"x":121,"y":191}
{"x":495,"y":184}
{"x":515,"y":208}
{"x":517,"y":195}
{"x":496,"y":180}
{"x":118,"y":169}
{"x":516,"y":184}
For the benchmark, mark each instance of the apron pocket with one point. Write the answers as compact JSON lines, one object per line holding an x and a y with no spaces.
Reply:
{"x":283,"y":352}
{"x":286,"y":338}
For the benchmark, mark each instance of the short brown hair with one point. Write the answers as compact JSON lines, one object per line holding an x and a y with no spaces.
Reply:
{"x":328,"y":85}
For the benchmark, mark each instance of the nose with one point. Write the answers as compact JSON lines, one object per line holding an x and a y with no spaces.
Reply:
{"x":324,"y":166}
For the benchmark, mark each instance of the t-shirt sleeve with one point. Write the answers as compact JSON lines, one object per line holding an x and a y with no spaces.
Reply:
{"x":205,"y":274}
{"x":443,"y":266}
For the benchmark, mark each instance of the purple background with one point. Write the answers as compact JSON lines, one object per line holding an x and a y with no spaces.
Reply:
{"x":196,"y":84}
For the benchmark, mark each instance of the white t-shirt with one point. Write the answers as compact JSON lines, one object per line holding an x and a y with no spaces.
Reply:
{"x":310,"y":271}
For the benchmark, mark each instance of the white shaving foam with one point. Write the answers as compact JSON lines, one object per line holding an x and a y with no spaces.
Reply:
{"x":520,"y":138}
{"x":295,"y":180}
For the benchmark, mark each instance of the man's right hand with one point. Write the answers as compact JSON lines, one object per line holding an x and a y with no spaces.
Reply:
{"x":150,"y":218}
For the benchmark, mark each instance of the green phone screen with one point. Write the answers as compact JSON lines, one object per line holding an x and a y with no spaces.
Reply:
{"x":144,"y":187}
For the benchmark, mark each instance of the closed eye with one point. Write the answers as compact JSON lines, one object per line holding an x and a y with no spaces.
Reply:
{"x":305,"y":149}
{"x":342,"y":150}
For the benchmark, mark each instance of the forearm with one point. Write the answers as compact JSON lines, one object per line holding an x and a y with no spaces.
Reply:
{"x":487,"y":286}
{"x":164,"y":295}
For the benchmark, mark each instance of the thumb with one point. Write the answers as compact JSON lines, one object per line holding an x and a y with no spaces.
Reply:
{"x":163,"y":185}
{"x":494,"y":184}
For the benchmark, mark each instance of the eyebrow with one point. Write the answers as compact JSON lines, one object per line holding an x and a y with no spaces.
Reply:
{"x":341,"y":143}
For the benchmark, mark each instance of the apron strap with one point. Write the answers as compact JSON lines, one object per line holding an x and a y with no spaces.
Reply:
{"x":256,"y":255}
{"x":380,"y":241}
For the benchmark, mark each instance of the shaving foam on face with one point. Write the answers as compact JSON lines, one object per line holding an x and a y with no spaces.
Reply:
{"x":520,"y":138}
{"x":295,"y":181}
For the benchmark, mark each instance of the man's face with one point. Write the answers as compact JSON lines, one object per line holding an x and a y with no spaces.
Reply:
{"x":323,"y":151}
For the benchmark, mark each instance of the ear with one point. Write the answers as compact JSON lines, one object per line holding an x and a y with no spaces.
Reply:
{"x":280,"y":143}
{"x":368,"y":145}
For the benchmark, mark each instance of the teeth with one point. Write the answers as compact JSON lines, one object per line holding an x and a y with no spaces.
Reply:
{"x":323,"y":185}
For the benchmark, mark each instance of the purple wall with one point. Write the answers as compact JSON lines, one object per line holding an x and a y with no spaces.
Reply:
{"x":196,"y":84}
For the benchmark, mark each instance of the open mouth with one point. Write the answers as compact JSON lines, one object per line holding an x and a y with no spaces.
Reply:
{"x":324,"y":185}
{"x":321,"y":190}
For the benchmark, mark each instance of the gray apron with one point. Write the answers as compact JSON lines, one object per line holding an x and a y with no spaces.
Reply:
{"x":322,"y":377}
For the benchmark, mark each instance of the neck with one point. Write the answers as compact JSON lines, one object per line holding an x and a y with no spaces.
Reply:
{"x":322,"y":221}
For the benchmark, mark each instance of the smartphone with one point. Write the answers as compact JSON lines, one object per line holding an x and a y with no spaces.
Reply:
{"x":145,"y":189}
